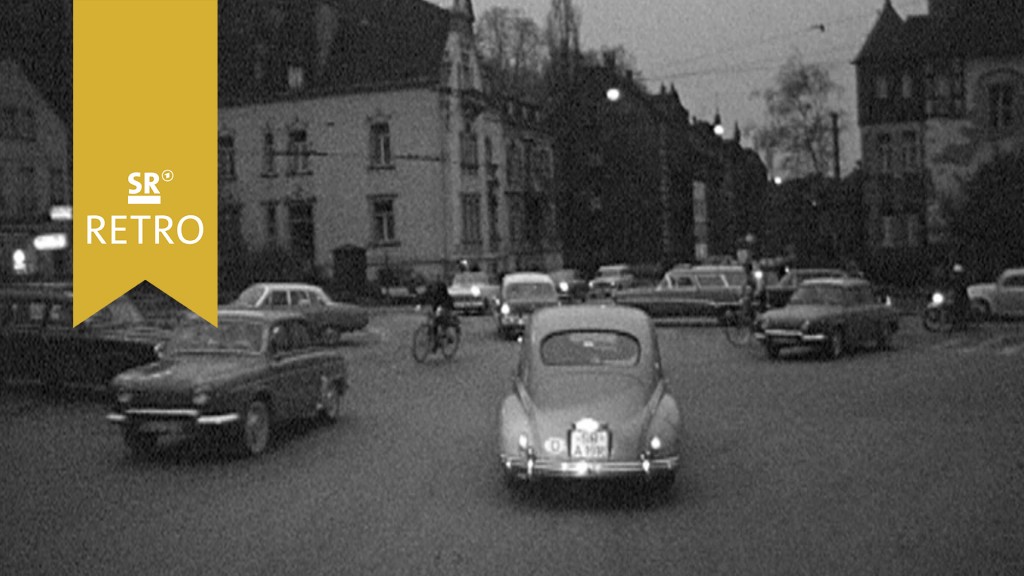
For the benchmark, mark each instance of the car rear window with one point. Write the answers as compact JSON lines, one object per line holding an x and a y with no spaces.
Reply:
{"x":530,"y":290}
{"x":590,"y":348}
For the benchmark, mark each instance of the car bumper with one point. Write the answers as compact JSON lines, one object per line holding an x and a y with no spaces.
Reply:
{"x":789,"y":337}
{"x":527,"y":468}
{"x":172,"y":421}
{"x":470,"y":305}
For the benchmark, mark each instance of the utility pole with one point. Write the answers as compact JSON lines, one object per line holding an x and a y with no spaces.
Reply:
{"x":835,"y":144}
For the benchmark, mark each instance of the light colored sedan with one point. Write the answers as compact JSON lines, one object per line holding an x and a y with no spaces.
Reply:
{"x":1004,"y":297}
{"x":328,"y":318}
{"x":589,"y":400}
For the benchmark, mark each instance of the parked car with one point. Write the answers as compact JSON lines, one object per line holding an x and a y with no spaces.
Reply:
{"x":328,"y":319}
{"x":610,"y":279}
{"x":1003,"y":298}
{"x":473,"y":292}
{"x":235,"y":380}
{"x":38,"y":342}
{"x":522,"y":293}
{"x":706,"y":290}
{"x":571,"y":285}
{"x":589,"y":400}
{"x":780,"y":293}
{"x":833,"y":314}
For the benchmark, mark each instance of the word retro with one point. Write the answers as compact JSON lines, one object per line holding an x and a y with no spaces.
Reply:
{"x":150,"y":194}
{"x":162,"y":226}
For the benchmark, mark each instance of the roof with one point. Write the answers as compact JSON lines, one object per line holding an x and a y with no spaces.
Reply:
{"x":286,"y":286}
{"x":591,"y":317}
{"x":342,"y":46}
{"x":261,"y":315}
{"x":844,"y":282}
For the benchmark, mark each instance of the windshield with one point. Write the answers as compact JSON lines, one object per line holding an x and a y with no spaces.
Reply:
{"x":590,"y":349}
{"x":469,"y":278}
{"x":231,"y":336}
{"x":819,"y":294}
{"x":524,"y":290}
{"x":612,"y":272}
{"x":250,"y":296}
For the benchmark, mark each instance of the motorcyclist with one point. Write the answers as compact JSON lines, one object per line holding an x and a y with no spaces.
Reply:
{"x":440,"y":304}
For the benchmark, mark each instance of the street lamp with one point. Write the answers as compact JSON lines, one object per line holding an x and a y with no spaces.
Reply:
{"x":719,"y":129}
{"x":613,"y":94}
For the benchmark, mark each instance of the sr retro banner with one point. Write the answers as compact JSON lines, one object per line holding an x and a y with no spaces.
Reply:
{"x":145,"y":168}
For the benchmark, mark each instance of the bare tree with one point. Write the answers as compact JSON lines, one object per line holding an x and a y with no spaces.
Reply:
{"x":511,"y":50}
{"x":799,"y":119}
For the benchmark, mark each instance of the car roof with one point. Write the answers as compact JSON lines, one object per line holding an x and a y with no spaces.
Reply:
{"x":706,"y":268}
{"x":590,"y":317}
{"x":286,"y":286}
{"x":843,"y":282}
{"x":531,"y":277}
{"x":260,"y":315}
{"x":1012,"y":271}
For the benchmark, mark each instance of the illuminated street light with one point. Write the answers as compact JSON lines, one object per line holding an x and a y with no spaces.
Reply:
{"x":719,"y":129}
{"x":613,"y":94}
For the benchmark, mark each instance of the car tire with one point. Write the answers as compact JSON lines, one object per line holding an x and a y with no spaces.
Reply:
{"x":255,"y":433}
{"x":139,"y":444}
{"x":980,"y":309}
{"x":835,"y":346}
{"x":329,"y":402}
{"x":885,"y":336}
{"x":772,"y":349}
{"x":661,"y":484}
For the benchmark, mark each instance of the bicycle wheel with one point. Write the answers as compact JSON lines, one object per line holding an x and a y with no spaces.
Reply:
{"x":421,"y":343}
{"x":738,"y":328}
{"x":450,"y":341}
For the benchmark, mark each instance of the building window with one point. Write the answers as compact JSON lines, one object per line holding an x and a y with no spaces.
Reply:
{"x":1000,"y":106}
{"x":881,"y":87}
{"x":270,"y":221}
{"x":296,"y":77}
{"x":382,"y":211}
{"x":8,"y":121}
{"x":26,"y":190}
{"x":888,"y":231}
{"x":298,"y":152}
{"x":516,"y":215}
{"x":515,"y":166}
{"x":380,"y":145}
{"x":226,"y":157}
{"x":468,"y":147}
{"x":300,"y":227}
{"x":907,"y":87}
{"x":269,"y":166}
{"x":909,"y":151}
{"x":492,"y":219}
{"x":471,"y":219}
{"x":885,"y":153}
{"x":913,"y":230}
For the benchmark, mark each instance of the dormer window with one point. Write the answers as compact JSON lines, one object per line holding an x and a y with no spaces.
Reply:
{"x":1000,"y":106}
{"x":882,"y":87}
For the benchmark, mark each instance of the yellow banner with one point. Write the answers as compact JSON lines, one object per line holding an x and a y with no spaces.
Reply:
{"x":145,"y":162}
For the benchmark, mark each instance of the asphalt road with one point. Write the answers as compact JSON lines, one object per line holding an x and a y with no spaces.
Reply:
{"x":909,"y":461}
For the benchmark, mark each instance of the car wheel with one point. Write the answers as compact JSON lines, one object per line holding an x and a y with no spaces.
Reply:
{"x":661,"y":484}
{"x":139,"y":444}
{"x":331,"y":336}
{"x":772,"y":349}
{"x":836,"y":345}
{"x":329,"y":408}
{"x":255,"y":428}
{"x":980,"y":309}
{"x":885,"y":336}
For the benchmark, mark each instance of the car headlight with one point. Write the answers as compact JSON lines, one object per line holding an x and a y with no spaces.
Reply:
{"x":563,"y":286}
{"x":475,"y":291}
{"x":938,"y":298}
{"x":506,"y":309}
{"x":806,"y":326}
{"x":124,"y":397}
{"x":524,"y":442}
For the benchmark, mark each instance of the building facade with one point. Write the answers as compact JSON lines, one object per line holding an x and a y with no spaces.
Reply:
{"x":356,"y":133}
{"x":34,"y":182}
{"x":938,"y":96}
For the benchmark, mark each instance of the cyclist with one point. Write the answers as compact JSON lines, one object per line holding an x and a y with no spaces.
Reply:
{"x":753,"y":291}
{"x":960,"y":305}
{"x":441,"y":307}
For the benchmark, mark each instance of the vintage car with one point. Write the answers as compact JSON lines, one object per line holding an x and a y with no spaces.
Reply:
{"x":778,"y":294}
{"x":522,"y":293}
{"x":38,"y":342}
{"x":589,"y":400}
{"x":833,"y":314}
{"x":473,"y":292}
{"x":1002,"y":298}
{"x":706,"y":290}
{"x":328,"y":319}
{"x":234,"y":380}
{"x":571,"y":285}
{"x":610,"y":279}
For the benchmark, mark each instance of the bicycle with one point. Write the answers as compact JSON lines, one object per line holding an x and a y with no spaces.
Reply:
{"x":738,"y":323}
{"x":431,"y":337}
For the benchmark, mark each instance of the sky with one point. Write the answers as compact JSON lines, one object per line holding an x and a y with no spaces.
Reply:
{"x":717,"y":52}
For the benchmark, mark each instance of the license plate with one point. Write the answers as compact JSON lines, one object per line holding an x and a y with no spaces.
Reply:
{"x":589,"y":445}
{"x":161,"y":427}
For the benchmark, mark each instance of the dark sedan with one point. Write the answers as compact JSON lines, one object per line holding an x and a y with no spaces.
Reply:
{"x":523,"y":293}
{"x":328,"y":318}
{"x":38,"y":342}
{"x":779,"y":293}
{"x":234,"y":380}
{"x":835,"y":314}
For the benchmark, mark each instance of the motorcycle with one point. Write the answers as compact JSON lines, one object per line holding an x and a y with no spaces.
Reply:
{"x":940,"y":315}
